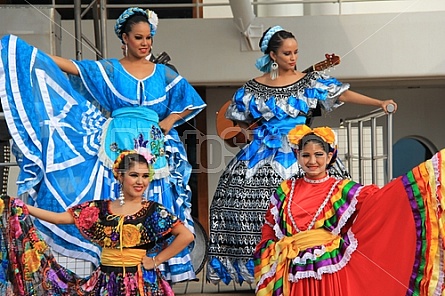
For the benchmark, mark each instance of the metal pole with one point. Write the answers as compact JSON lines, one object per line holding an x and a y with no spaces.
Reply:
{"x":78,"y":28}
{"x":103,"y":24}
{"x":349,"y":138}
{"x":360,"y":153}
{"x":374,"y":149}
{"x":389,"y":164}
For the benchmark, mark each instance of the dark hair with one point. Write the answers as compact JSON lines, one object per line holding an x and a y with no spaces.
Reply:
{"x":129,"y":160}
{"x":276,"y":40}
{"x":133,"y":20}
{"x":315,"y":139}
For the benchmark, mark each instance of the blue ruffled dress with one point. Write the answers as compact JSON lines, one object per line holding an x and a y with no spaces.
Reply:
{"x":242,"y":195}
{"x":65,"y":144}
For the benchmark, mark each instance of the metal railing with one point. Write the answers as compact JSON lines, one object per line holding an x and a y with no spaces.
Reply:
{"x":359,"y":123}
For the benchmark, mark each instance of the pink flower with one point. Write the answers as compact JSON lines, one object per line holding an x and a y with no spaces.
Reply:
{"x":145,"y":153}
{"x":88,"y":217}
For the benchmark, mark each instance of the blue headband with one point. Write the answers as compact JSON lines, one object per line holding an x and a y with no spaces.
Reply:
{"x":263,"y":63}
{"x":150,"y":15}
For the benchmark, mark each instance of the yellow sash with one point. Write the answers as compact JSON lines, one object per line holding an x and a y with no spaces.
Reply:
{"x":128,"y":257}
{"x":287,"y":249}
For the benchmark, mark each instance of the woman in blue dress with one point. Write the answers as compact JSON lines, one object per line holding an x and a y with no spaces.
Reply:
{"x":274,"y":103}
{"x":66,"y":146}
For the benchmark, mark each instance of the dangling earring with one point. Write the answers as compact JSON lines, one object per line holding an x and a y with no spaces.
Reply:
{"x":121,"y":196}
{"x":274,"y":70}
{"x":126,"y":49}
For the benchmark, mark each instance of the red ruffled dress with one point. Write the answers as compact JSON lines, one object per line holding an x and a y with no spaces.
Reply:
{"x":337,"y":238}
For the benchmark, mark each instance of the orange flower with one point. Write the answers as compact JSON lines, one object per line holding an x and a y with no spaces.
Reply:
{"x":130,"y":235}
{"x":108,"y":230}
{"x":40,"y":246}
{"x":326,"y":134}
{"x":297,"y":133}
{"x":31,"y":261}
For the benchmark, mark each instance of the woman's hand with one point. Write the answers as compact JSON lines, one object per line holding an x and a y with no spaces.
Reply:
{"x":149,"y":262}
{"x":183,"y":237}
{"x":391,"y":109}
{"x":167,"y":123}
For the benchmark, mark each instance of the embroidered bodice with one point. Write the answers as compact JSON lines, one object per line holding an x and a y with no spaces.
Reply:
{"x":145,"y":227}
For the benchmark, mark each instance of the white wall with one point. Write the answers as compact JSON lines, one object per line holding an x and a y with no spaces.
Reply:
{"x":373,"y":46}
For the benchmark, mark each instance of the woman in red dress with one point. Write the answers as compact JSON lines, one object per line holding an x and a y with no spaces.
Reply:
{"x":324,"y":236}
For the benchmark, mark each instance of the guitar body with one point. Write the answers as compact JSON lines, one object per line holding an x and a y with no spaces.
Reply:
{"x":228,"y":130}
{"x":235,"y":135}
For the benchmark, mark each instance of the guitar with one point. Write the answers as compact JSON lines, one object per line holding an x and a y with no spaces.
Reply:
{"x":233,"y":134}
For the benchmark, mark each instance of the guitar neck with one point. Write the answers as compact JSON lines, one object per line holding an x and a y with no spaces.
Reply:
{"x":330,"y":61}
{"x":310,"y":69}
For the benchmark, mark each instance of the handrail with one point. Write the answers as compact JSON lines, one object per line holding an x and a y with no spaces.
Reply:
{"x":359,"y":121}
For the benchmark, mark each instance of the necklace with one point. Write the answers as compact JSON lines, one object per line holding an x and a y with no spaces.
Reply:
{"x":320,"y":209}
{"x":316,"y":181}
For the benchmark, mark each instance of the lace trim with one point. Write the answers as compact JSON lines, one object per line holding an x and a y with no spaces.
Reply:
{"x":332,"y":268}
{"x":348,"y":212}
{"x":316,"y":181}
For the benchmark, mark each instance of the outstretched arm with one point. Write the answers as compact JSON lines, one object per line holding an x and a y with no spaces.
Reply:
{"x":350,"y":96}
{"x":65,"y":65}
{"x":51,"y":217}
{"x":183,"y":237}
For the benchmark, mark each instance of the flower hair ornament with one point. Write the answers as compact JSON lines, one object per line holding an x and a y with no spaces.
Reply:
{"x":124,"y":153}
{"x":264,"y":63}
{"x":151,"y":16}
{"x":325,"y":134}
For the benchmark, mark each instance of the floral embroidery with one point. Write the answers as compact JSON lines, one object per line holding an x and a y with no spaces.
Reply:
{"x":107,"y":242}
{"x":163,"y":213}
{"x":108,"y":230}
{"x":131,"y":235}
{"x":15,"y":227}
{"x":88,"y":217}
{"x":31,"y":261}
{"x":147,"y":225}
{"x":41,"y":246}
{"x":114,"y":147}
{"x":157,"y":145}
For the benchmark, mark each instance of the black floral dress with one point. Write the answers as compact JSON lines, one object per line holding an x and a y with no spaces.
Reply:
{"x":28,"y":266}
